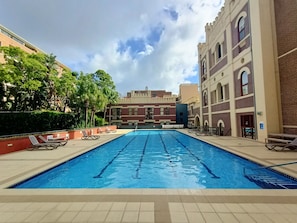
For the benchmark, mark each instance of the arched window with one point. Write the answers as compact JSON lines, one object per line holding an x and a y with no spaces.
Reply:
{"x":204,"y":67}
{"x":241,"y":27}
{"x":204,"y":75}
{"x":219,"y":50}
{"x":244,"y":83}
{"x":205,"y":98}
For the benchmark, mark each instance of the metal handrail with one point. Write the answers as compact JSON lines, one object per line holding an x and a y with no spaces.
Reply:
{"x":265,"y":167}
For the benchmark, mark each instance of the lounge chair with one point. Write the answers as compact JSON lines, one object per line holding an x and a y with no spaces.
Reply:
{"x":282,"y":145}
{"x":86,"y":136}
{"x":62,"y":142}
{"x":46,"y":145}
{"x":108,"y":130}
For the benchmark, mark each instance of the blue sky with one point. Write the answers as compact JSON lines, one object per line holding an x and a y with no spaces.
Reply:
{"x":138,"y":42}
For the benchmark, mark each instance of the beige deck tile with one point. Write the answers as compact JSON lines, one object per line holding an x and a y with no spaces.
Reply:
{"x":91,"y":206}
{"x":211,"y":217}
{"x":276,"y":218}
{"x":204,"y":207}
{"x":260,"y":218}
{"x":146,"y":217}
{"x":52,"y":216}
{"x":194,"y":217}
{"x":133,"y":206}
{"x":32,"y":207}
{"x":98,"y":216}
{"x":291,"y":207}
{"x":220,"y":208}
{"x":250,"y":208}
{"x":118,"y":206}
{"x":63,"y":206}
{"x":130,"y":216}
{"x":292,"y":218}
{"x":264,"y":208}
{"x":6,"y":216}
{"x":280,"y":208}
{"x":82,"y":216}
{"x":244,"y":218}
{"x":178,"y":217}
{"x":17,"y":206}
{"x":176,"y":207}
{"x":114,"y":216}
{"x":227,"y":218}
{"x":77,"y":206}
{"x":147,"y":206}
{"x":35,"y":216}
{"x":47,"y":206}
{"x":190,"y":207}
{"x":234,"y":208}
{"x":19,"y":216}
{"x":67,"y":216}
{"x":104,"y":206}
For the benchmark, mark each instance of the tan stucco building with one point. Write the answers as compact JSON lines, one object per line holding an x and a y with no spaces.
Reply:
{"x":242,"y":66}
{"x":9,"y":38}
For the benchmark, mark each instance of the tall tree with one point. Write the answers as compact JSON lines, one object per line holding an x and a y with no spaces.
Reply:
{"x":66,"y":87}
{"x":26,"y":73}
{"x":107,"y":86}
{"x":89,"y":95}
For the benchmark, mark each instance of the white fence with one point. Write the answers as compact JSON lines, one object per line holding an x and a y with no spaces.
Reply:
{"x":176,"y":126}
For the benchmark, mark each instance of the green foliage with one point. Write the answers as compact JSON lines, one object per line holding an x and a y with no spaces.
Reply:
{"x":99,"y":121}
{"x":33,"y":82}
{"x":35,"y":122}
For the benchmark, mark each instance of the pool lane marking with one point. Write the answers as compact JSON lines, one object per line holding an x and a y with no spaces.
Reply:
{"x":168,"y":154}
{"x":110,"y":162}
{"x":141,"y":158}
{"x":197,"y":158}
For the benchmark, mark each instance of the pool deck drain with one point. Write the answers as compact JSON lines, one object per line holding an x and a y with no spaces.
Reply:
{"x":143,"y":205}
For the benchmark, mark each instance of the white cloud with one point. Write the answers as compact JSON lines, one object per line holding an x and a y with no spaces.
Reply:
{"x":85,"y":35}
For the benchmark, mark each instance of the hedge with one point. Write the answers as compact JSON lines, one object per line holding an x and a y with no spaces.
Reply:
{"x":39,"y":121}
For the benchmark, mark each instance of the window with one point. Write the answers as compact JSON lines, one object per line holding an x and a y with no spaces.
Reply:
{"x":213,"y":97}
{"x":205,"y":98}
{"x":219,"y":50}
{"x":149,"y":113}
{"x":167,"y":111}
{"x":241,"y":26}
{"x":204,"y":67}
{"x":204,"y":70}
{"x":244,"y":83}
{"x":220,"y":90}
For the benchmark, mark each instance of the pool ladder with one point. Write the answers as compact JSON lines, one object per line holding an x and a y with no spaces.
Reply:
{"x":270,"y":182}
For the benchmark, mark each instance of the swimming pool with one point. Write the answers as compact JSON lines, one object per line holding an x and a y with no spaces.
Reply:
{"x":152,"y":159}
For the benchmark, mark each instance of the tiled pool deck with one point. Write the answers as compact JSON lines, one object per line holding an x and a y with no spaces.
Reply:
{"x":142,"y":205}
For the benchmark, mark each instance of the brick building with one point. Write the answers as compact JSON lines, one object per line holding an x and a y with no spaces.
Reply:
{"x":144,"y":108}
{"x":286,"y":39}
{"x":248,"y":73}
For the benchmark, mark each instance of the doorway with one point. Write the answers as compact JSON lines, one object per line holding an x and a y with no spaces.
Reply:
{"x":247,"y":126}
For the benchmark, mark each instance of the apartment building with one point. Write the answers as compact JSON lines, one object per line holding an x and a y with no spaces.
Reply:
{"x":144,"y":108}
{"x":242,"y":62}
{"x":9,"y":38}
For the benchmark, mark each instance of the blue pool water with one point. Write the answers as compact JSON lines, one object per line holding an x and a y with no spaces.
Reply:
{"x":150,"y":159}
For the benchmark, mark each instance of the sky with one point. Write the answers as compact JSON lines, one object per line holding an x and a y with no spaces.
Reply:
{"x":140,"y":43}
